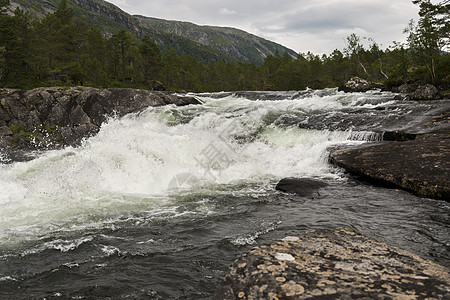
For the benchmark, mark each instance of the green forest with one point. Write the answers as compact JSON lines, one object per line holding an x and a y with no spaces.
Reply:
{"x":61,"y":50}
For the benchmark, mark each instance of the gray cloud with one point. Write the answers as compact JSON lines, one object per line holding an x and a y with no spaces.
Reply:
{"x":303,"y":25}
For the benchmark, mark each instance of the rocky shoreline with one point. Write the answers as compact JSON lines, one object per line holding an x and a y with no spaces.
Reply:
{"x":47,"y":118}
{"x":416,"y":159}
{"x":421,"y":166}
{"x":407,"y":91}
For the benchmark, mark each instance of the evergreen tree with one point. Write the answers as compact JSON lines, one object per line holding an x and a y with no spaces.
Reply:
{"x":431,"y":35}
{"x":120,"y":44}
{"x":93,"y":59}
{"x":151,"y":60}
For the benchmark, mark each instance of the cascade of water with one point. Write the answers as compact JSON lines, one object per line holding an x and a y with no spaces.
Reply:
{"x":145,"y":158}
{"x":367,"y":136}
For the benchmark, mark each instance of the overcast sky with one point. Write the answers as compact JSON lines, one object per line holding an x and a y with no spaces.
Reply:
{"x":319,"y":26}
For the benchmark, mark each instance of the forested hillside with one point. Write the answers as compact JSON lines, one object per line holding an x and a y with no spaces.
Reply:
{"x":205,"y":43}
{"x":59,"y":49}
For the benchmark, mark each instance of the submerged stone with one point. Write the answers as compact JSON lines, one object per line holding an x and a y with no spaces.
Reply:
{"x":301,"y":186}
{"x":333,"y":264}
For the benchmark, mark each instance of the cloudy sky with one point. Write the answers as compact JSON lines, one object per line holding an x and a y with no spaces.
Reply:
{"x":319,"y":26}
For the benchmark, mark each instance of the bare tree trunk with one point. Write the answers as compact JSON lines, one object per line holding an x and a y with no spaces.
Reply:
{"x":365,"y":70}
{"x":381,"y":67}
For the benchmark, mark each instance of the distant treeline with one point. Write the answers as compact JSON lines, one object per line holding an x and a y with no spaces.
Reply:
{"x":60,"y":50}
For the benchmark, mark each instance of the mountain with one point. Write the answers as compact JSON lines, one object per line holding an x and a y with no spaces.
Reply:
{"x":203,"y":42}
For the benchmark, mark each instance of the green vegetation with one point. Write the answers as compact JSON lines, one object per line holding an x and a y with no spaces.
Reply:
{"x":61,"y":50}
{"x":21,"y":136}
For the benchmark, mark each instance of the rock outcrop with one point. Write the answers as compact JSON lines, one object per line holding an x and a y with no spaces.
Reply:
{"x":412,"y":91}
{"x":424,"y":92}
{"x":407,"y":88}
{"x":421,"y":165}
{"x":356,"y":84}
{"x":54,"y":117}
{"x":332,"y":264}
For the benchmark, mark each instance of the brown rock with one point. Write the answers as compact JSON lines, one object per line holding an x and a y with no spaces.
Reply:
{"x":407,"y":88}
{"x":332,"y":264}
{"x":5,"y":131}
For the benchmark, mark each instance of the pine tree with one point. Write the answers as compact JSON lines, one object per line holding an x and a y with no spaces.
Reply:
{"x":120,"y":44}
{"x":431,"y":35}
{"x":151,"y":56}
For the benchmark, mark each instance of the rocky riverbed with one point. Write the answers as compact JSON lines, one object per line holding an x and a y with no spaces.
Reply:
{"x":74,"y":219}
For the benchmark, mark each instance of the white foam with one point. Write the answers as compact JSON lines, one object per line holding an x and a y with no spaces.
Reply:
{"x":130,"y":165}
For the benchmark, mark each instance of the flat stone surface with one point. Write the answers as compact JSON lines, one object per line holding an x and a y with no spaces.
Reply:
{"x":333,"y":264}
{"x":421,"y":165}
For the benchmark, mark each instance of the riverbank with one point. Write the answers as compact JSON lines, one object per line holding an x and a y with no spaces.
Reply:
{"x":416,"y":159}
{"x":421,"y":166}
{"x":48,"y":118}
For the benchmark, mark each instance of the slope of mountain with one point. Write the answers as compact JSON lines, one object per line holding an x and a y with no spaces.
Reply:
{"x":203,"y":42}
{"x":236,"y":43}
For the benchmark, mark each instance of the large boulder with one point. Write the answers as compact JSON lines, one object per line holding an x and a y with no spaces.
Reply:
{"x":407,"y":88}
{"x":301,"y":186}
{"x":332,"y":264}
{"x":425,"y":92}
{"x":356,"y":84}
{"x":421,"y":165}
{"x":54,"y":117}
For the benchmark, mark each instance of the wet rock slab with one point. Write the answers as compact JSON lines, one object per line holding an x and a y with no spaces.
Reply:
{"x":421,"y":165}
{"x":333,"y":264}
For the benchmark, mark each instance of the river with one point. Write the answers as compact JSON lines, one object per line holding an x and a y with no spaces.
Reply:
{"x":159,"y":203}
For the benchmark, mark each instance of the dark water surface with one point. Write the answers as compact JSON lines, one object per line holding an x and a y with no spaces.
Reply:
{"x":150,"y":209}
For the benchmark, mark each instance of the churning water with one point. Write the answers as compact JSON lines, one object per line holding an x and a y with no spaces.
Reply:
{"x":160,"y":203}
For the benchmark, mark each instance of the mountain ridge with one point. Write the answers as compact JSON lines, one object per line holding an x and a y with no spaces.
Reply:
{"x":205,"y":42}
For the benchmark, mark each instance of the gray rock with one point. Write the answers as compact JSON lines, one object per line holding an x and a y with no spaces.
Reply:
{"x":58,"y":117}
{"x":332,"y":264}
{"x":425,"y":92}
{"x":301,"y":186}
{"x":5,"y":131}
{"x":356,"y":84}
{"x":407,"y":88}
